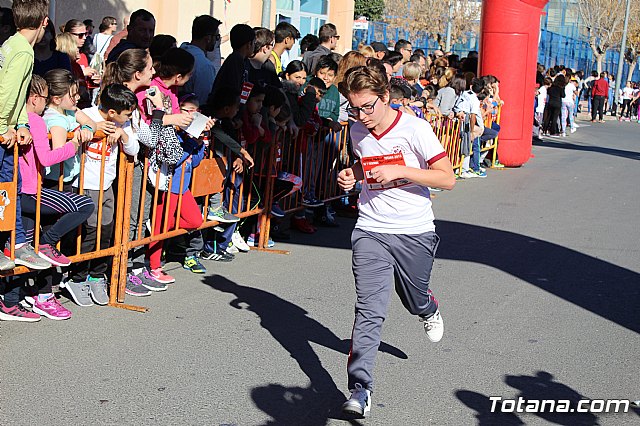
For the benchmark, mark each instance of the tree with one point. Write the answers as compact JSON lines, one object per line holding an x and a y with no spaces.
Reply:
{"x":431,"y":17}
{"x":372,"y":9}
{"x":633,"y":39}
{"x":603,"y":20}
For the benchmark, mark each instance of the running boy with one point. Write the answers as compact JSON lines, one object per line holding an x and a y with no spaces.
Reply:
{"x":394,"y":241}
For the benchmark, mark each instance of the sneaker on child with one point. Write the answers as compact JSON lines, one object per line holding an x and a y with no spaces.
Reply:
{"x":434,"y":326}
{"x":79,"y":292}
{"x":311,"y":202}
{"x":148,"y":282}
{"x":6,"y":264}
{"x":359,"y":403}
{"x":253,"y":239}
{"x":220,"y":214}
{"x":161,"y":276}
{"x":231,"y":249}
{"x":17,"y":313}
{"x":27,"y":256}
{"x":52,"y":255}
{"x":134,"y":287}
{"x":277,"y":211}
{"x":193,"y":264}
{"x":98,"y":290}
{"x":239,"y":242}
{"x":50,"y":308}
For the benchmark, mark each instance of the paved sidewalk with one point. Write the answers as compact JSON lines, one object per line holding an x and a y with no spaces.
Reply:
{"x":539,"y":284}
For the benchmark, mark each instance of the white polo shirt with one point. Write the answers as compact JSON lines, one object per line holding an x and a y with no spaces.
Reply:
{"x":399,"y":207}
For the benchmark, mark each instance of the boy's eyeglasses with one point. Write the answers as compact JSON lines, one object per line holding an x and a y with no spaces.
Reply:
{"x":367,"y":109}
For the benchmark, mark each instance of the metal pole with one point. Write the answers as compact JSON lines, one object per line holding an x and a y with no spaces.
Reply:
{"x":266,"y":13}
{"x":447,"y":45}
{"x":623,"y":47}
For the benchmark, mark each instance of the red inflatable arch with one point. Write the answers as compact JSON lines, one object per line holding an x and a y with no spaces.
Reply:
{"x":509,"y":36}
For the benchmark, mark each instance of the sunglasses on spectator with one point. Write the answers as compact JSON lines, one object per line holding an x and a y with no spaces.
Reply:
{"x":81,"y":35}
{"x":337,"y":37}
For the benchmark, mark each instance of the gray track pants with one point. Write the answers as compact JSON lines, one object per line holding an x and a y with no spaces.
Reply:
{"x":380,"y":262}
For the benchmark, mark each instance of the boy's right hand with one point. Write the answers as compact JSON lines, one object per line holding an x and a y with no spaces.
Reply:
{"x":247,"y":158}
{"x":346,"y":179}
{"x":9,"y":138}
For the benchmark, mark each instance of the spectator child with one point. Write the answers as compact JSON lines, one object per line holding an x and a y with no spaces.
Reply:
{"x":67,"y":210}
{"x":30,"y":17}
{"x":87,"y":279}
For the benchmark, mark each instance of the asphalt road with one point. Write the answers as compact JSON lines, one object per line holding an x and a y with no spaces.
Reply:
{"x":539,"y":284}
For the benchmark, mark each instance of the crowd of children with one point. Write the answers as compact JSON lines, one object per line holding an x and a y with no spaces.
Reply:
{"x":144,"y":105}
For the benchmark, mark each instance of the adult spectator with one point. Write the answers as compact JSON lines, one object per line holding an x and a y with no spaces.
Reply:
{"x":328,"y":35}
{"x":89,"y":49}
{"x":420,"y":60}
{"x":380,"y":49}
{"x":404,"y":47}
{"x":140,"y":32}
{"x":367,"y":51}
{"x":46,"y":57}
{"x":159,"y":45}
{"x":285,"y":37}
{"x":101,"y":40}
{"x":205,"y":34}
{"x":395,"y":59}
{"x":599,"y":92}
{"x":437,"y":54}
{"x":309,"y":43}
{"x":7,"y":26}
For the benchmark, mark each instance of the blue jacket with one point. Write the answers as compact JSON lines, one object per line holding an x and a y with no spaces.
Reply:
{"x":192,"y":156}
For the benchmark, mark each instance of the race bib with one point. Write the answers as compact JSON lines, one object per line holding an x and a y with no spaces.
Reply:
{"x":369,"y":163}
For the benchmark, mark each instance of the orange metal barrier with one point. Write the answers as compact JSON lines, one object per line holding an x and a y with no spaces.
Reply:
{"x":493,"y":147}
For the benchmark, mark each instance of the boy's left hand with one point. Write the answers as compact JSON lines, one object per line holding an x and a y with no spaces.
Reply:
{"x":115,"y":137}
{"x":238,"y":166}
{"x":107,"y":127}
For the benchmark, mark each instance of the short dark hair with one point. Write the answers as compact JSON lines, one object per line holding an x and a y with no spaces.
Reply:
{"x":274,"y":97}
{"x":396,"y":92}
{"x":327,"y":31}
{"x":379,"y":47}
{"x":203,"y":26}
{"x":317,"y":83}
{"x":477,"y":85}
{"x":29,"y":14}
{"x":142,"y":14}
{"x":160,"y":44}
{"x":326,"y":61}
{"x":264,"y":37}
{"x":309,"y":43}
{"x":118,"y":98}
{"x":294,"y":67}
{"x":284,"y":30}
{"x":284,"y":114}
{"x":225,"y":96}
{"x":401,"y":44}
{"x":257,"y":91}
{"x":88,"y":23}
{"x":240,"y":35}
{"x":415,"y":57}
{"x":393,"y":57}
{"x":175,"y":61}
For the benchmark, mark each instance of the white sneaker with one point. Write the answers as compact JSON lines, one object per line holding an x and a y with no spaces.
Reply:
{"x":434,"y":326}
{"x":232,"y":249}
{"x":359,"y":403}
{"x":573,"y":129}
{"x":239,"y":242}
{"x":468,"y":174}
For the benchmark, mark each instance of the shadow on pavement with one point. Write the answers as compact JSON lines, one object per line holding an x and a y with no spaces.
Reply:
{"x":540,"y":386}
{"x":632,"y":155}
{"x":291,"y":326}
{"x":601,"y":287}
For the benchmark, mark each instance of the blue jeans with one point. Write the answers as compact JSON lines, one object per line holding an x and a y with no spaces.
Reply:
{"x":474,"y":161}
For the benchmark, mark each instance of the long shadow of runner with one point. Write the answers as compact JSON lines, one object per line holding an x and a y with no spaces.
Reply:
{"x":632,"y":155}
{"x":601,"y":287}
{"x":290,"y":325}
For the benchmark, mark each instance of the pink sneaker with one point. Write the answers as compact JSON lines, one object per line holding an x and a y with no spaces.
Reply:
{"x":51,"y":308}
{"x":17,"y":313}
{"x":161,"y":276}
{"x":52,"y":255}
